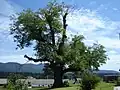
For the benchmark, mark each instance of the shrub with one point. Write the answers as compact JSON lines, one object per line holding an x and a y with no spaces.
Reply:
{"x":89,"y":81}
{"x":118,"y":82}
{"x":5,"y":86}
{"x":29,"y":84}
{"x":14,"y":83}
{"x":66,"y":83}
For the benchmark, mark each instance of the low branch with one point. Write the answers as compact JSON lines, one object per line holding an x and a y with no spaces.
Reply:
{"x":60,"y":50}
{"x":71,"y":70}
{"x":36,"y":60}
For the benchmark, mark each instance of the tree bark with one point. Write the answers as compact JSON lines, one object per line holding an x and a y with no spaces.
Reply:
{"x":58,"y":74}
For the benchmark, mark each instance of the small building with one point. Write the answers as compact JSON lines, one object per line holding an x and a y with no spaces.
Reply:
{"x":108,"y":75}
{"x":110,"y":78}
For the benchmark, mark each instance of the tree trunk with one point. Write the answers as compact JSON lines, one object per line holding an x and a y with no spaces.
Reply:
{"x":58,"y":73}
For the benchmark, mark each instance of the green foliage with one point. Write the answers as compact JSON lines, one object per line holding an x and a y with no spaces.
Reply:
{"x":14,"y":83}
{"x":89,"y":81}
{"x":118,"y":82}
{"x":84,"y":57}
{"x":36,"y":26}
{"x":97,"y":54}
{"x":66,"y":84}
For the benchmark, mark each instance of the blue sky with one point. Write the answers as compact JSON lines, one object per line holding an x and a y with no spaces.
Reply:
{"x":97,"y":20}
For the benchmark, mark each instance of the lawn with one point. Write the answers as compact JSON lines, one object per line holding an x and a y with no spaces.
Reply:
{"x":68,"y":88}
{"x":101,"y":86}
{"x":105,"y":86}
{"x":1,"y":88}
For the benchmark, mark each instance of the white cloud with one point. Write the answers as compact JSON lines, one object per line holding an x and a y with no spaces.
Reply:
{"x":92,"y":3}
{"x":16,"y":58}
{"x":94,"y":27}
{"x":12,"y":58}
{"x":84,"y":19}
{"x":7,"y":8}
{"x":113,"y":63}
{"x":115,"y":9}
{"x":112,"y":52}
{"x":108,"y":42}
{"x":87,"y":22}
{"x":7,"y":47}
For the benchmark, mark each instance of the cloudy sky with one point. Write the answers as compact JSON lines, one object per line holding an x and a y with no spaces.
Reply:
{"x":97,"y":20}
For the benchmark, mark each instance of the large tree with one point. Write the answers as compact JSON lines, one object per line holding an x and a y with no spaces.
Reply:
{"x":46,"y":29}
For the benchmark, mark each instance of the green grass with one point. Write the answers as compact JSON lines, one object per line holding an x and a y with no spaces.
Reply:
{"x":105,"y":86}
{"x":68,"y":88}
{"x":1,"y":88}
{"x":101,"y":86}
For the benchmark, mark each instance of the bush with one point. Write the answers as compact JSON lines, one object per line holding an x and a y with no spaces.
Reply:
{"x":5,"y":86}
{"x":118,"y":82}
{"x":66,"y":84}
{"x":29,"y":84}
{"x":14,"y":83}
{"x":89,"y":81}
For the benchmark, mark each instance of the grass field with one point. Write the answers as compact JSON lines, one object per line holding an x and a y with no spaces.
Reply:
{"x":105,"y":86}
{"x":101,"y":86}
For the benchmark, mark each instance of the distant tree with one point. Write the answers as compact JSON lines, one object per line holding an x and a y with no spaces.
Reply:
{"x":46,"y":29}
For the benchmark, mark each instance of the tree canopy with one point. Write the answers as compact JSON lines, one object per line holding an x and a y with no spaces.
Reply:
{"x":46,"y":28}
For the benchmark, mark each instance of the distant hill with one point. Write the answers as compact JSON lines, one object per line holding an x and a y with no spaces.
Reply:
{"x":106,"y":72}
{"x":37,"y":68}
{"x":16,"y":67}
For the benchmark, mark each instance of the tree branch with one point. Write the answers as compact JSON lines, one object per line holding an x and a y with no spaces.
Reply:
{"x":64,"y":26}
{"x":60,"y":50}
{"x":71,"y":70}
{"x":64,"y":21}
{"x":36,"y":60}
{"x":49,"y":20}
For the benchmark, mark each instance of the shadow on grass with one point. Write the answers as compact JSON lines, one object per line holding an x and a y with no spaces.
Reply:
{"x":43,"y":89}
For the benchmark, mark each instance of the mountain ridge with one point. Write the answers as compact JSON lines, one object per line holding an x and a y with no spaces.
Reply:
{"x":17,"y":67}
{"x":38,"y":68}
